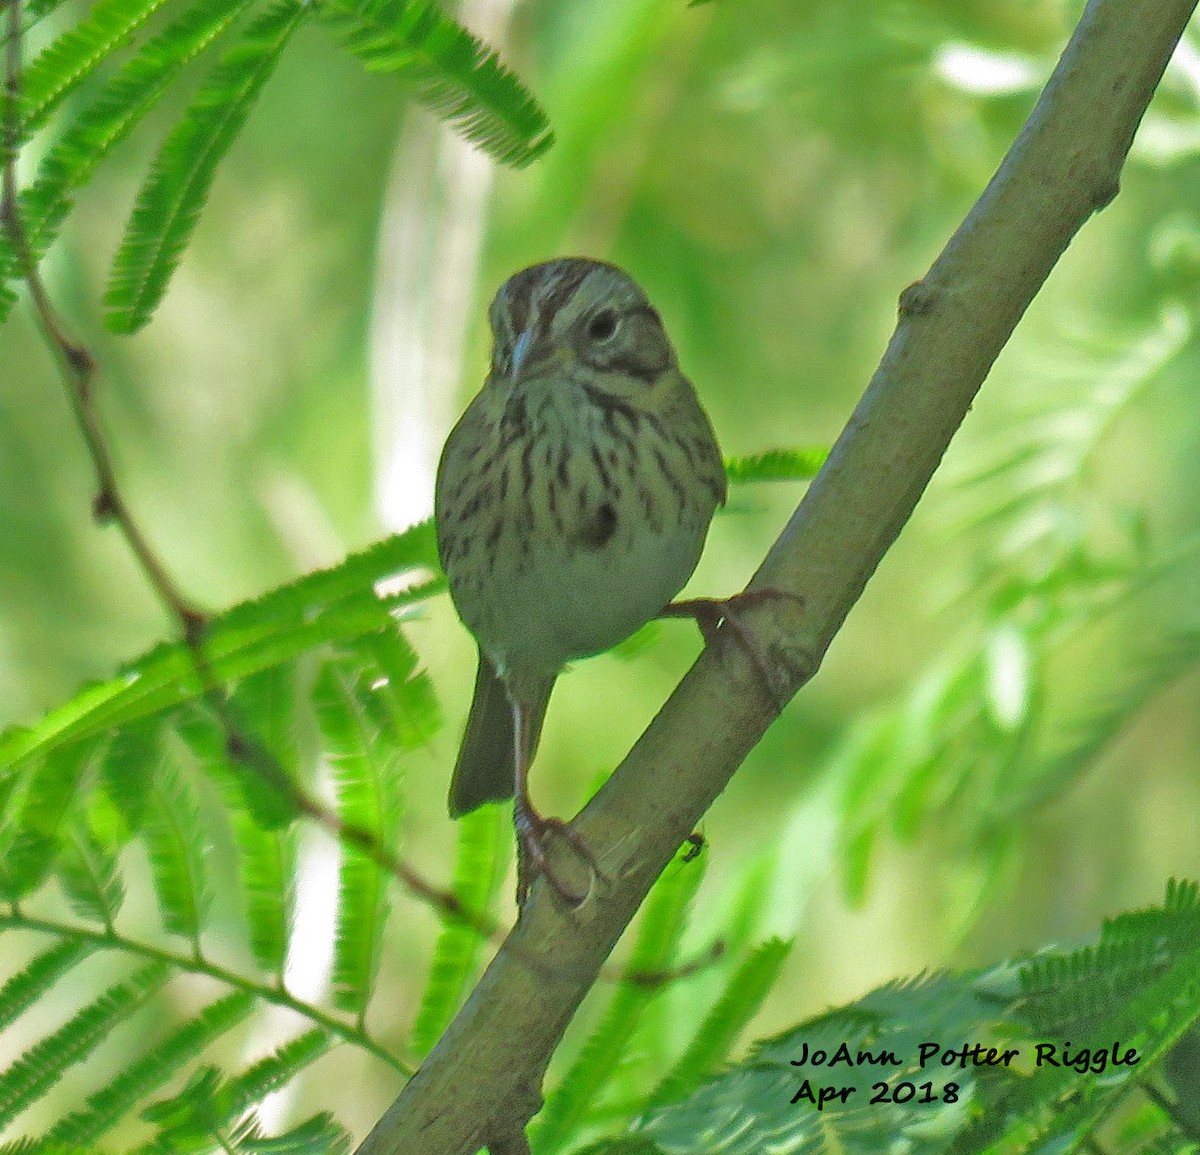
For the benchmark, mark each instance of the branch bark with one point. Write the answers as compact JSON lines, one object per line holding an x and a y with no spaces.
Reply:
{"x":483,"y":1080}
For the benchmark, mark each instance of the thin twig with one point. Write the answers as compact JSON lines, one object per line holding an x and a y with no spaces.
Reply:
{"x":279,"y":995}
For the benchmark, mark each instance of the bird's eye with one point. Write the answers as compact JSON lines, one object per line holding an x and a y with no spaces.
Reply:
{"x":603,"y":325}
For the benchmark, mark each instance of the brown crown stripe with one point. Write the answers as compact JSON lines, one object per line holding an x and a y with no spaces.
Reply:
{"x":563,"y":285}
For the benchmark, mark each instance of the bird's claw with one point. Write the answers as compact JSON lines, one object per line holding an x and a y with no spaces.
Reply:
{"x":710,"y":613}
{"x":532,"y":829}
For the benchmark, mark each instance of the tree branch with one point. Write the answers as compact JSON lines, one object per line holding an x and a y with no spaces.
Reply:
{"x":483,"y":1079}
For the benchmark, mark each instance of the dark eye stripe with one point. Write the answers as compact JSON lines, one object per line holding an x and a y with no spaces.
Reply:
{"x":621,"y":362}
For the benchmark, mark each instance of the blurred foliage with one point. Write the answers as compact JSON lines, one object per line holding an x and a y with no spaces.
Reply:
{"x":999,"y":751}
{"x":865,"y":1076}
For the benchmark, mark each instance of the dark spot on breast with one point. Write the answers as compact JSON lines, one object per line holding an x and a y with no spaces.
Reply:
{"x":597,"y":529}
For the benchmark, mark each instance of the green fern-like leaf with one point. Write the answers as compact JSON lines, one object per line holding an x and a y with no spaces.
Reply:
{"x":659,"y":934}
{"x":177,"y":847}
{"x":776,"y":465}
{"x":34,"y":832}
{"x":1139,"y":983}
{"x":266,"y":850}
{"x":88,"y":871}
{"x":24,"y":988}
{"x":170,"y":201}
{"x":277,"y":1069}
{"x":43,"y":1064}
{"x":402,"y":701}
{"x":454,"y":75}
{"x":94,"y":131}
{"x":762,"y":1103}
{"x":268,"y":863}
{"x":329,"y":606}
{"x":211,"y":1107}
{"x":483,"y":838}
{"x":1076,"y":742}
{"x":121,"y":104}
{"x":367,"y":782}
{"x":69,"y":59}
{"x":721,"y":1027}
{"x":320,"y":1135}
{"x":1138,"y":987}
{"x":151,"y":1071}
{"x":129,"y":759}
{"x":1044,"y":452}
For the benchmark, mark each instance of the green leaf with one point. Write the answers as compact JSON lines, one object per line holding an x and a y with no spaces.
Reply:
{"x":777,"y":465}
{"x":367,"y":782}
{"x":177,"y":844}
{"x":453,"y":73}
{"x":328,"y":606}
{"x":158,"y":1065}
{"x":268,"y":864}
{"x":69,"y":59}
{"x":32,"y":983}
{"x":718,"y":1032}
{"x":320,"y":1135}
{"x":403,"y":701}
{"x":210,"y":1107}
{"x":1139,"y":983}
{"x":763,"y":1102}
{"x":658,"y":935}
{"x":43,"y":1064}
{"x":277,"y":1069}
{"x":124,"y":100}
{"x":34,"y":836}
{"x":90,"y":876}
{"x":484,"y":838}
{"x":266,"y":850}
{"x":1075,"y":741}
{"x":170,"y":201}
{"x":127,"y":772}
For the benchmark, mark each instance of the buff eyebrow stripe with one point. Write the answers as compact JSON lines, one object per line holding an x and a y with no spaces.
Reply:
{"x":645,"y":311}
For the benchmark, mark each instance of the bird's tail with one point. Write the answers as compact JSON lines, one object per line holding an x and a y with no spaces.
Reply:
{"x":484,"y":771}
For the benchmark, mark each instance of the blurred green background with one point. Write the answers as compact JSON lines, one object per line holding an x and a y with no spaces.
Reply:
{"x":1001,"y":746}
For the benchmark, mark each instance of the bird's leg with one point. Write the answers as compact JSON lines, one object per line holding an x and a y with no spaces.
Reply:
{"x":533,"y":827}
{"x":710,"y":613}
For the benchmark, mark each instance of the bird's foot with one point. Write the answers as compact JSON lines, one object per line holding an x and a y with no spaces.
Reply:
{"x":711,"y":613}
{"x":532,"y":829}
